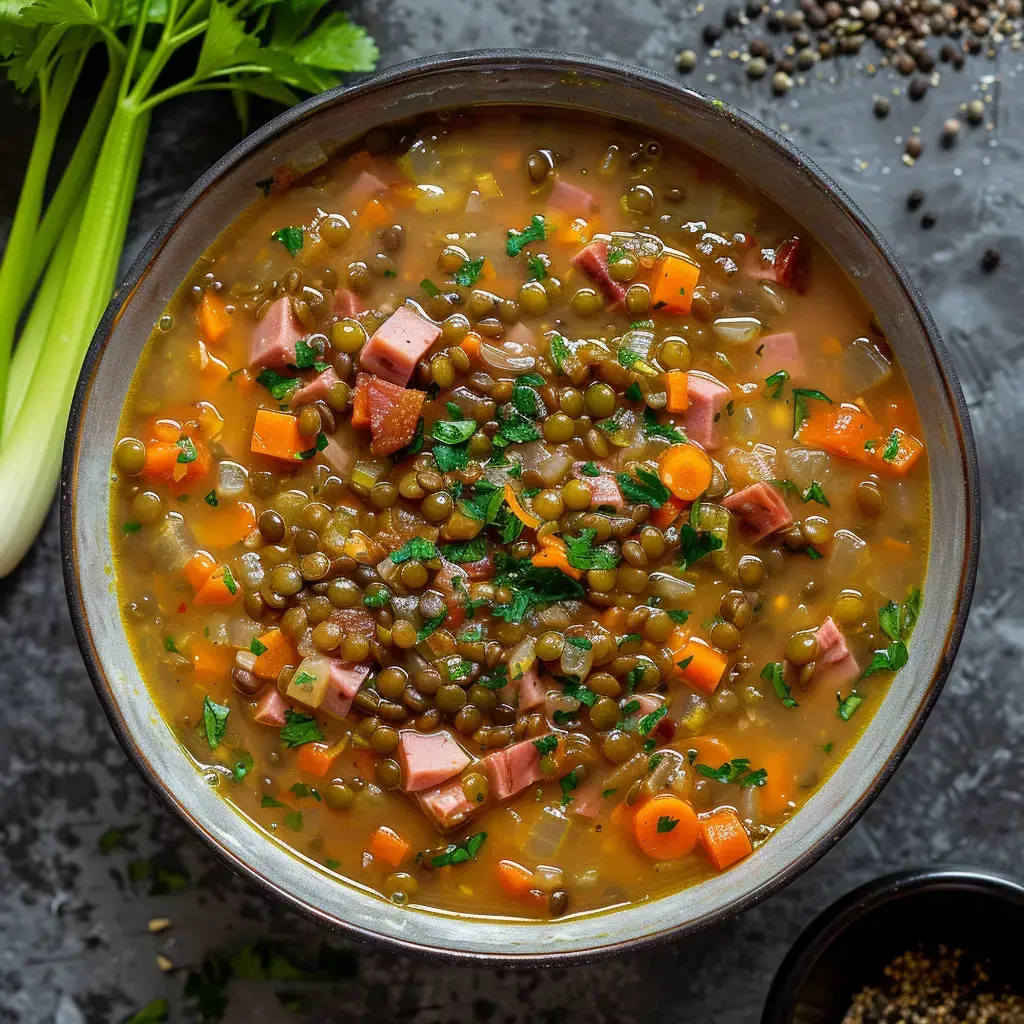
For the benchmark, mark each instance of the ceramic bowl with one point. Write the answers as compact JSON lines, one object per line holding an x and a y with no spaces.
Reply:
{"x":558,"y":81}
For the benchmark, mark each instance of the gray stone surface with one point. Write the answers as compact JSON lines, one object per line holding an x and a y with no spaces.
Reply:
{"x":74,"y":944}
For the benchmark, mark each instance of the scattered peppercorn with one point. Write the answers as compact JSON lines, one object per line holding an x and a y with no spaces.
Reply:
{"x":915,"y":199}
{"x":914,"y":147}
{"x":929,"y":219}
{"x":950,"y":130}
{"x":990,"y":260}
{"x":918,"y":87}
{"x":882,"y":107}
{"x":686,"y":61}
{"x":757,"y":67}
{"x":781,"y":83}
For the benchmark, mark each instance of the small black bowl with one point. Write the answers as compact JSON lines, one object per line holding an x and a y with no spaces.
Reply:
{"x":849,"y":945}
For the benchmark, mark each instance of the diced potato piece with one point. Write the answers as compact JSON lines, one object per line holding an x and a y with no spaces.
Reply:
{"x":309,"y":683}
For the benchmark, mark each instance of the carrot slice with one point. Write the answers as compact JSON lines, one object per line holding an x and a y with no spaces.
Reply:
{"x":210,"y":662}
{"x":213,"y":317}
{"x":277,"y":434}
{"x":470,"y":344}
{"x":678,"y":397}
{"x":668,"y":513}
{"x":701,"y":665}
{"x":361,"y":402}
{"x":553,"y":553}
{"x":388,"y":846}
{"x":674,"y":282}
{"x":315,"y":758}
{"x":527,"y":518}
{"x":277,"y":652}
{"x":724,"y":838}
{"x":226,"y":526}
{"x":665,"y":827}
{"x":220,"y":588}
{"x":686,"y":471}
{"x":199,"y":568}
{"x":711,"y":750}
{"x":515,"y":879}
{"x":779,"y":788}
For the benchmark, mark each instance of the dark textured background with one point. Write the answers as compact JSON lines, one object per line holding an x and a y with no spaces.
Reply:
{"x":74,"y":944}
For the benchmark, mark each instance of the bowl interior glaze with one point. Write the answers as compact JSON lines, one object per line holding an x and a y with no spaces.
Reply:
{"x":612,"y":90}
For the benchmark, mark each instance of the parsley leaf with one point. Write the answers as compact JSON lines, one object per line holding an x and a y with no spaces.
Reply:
{"x":535,"y":231}
{"x":291,"y":238}
{"x":467,"y":551}
{"x":531,"y":587}
{"x":800,"y":396}
{"x":815,"y":493}
{"x":453,"y":431}
{"x":418,"y":548}
{"x":627,"y":357}
{"x":577,"y":691}
{"x":513,"y":428}
{"x":450,"y":456}
{"x":694,"y":545}
{"x":633,"y":393}
{"x":648,"y":722}
{"x":590,"y":469}
{"x":737,"y":770}
{"x":430,"y":626}
{"x":132,"y":526}
{"x":567,"y":784}
{"x":583,"y":555}
{"x":279,"y":386}
{"x":560,"y":352}
{"x":469,"y":272}
{"x":309,"y":453}
{"x":309,"y":354}
{"x":646,"y":490}
{"x":666,"y":824}
{"x":892,"y":447}
{"x":897,"y":623}
{"x":846,"y":706}
{"x":679,"y":615}
{"x":615,"y":255}
{"x":241,"y":764}
{"x":460,"y":853}
{"x":215,"y":721}
{"x":299,"y":729}
{"x":652,"y":428}
{"x":538,"y":269}
{"x":775,"y":383}
{"x":772,"y":673}
{"x":430,"y":288}
{"x":188,"y":451}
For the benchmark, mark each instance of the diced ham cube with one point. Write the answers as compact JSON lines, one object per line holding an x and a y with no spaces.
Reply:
{"x":454,"y":597}
{"x":604,"y":488}
{"x":593,"y":261}
{"x":273,"y":341}
{"x":446,"y":805}
{"x":365,"y":187}
{"x":836,"y":664}
{"x":573,"y":200}
{"x":394,"y":413}
{"x":397,"y":345}
{"x":785,"y":265}
{"x":706,"y":397}
{"x":532,"y":692}
{"x":316,"y":390}
{"x":343,"y":684}
{"x":588,"y":802}
{"x":347,"y":303}
{"x":782,"y":352}
{"x":429,"y":758}
{"x":511,"y":770}
{"x":271,"y":706}
{"x":762,"y":509}
{"x":355,"y":622}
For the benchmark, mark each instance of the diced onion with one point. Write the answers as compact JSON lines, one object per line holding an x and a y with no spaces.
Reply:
{"x":241,"y":632}
{"x":500,"y":359}
{"x":251,"y":569}
{"x":172,"y":544}
{"x":864,"y":367}
{"x":670,"y":588}
{"x":849,"y":557}
{"x":521,"y":657}
{"x":547,"y":834}
{"x":737,"y":330}
{"x":747,"y":423}
{"x":232,"y":480}
{"x":804,"y":466}
{"x":554,"y":468}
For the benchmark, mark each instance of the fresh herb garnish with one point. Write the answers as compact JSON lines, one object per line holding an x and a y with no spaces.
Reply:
{"x":418,"y":548}
{"x":378,"y":598}
{"x":241,"y":764}
{"x":772,"y":673}
{"x":309,"y":453}
{"x":465,"y":552}
{"x":648,"y":722}
{"x":229,"y":581}
{"x":257,"y":647}
{"x":846,"y":706}
{"x":169,"y":645}
{"x":537,"y":269}
{"x":800,"y":396}
{"x":280,"y":387}
{"x":679,"y":615}
{"x":513,"y":428}
{"x":309,"y":354}
{"x":813,"y":553}
{"x":269,"y":801}
{"x":615,"y":255}
{"x":531,"y":586}
{"x":737,"y":770}
{"x":560,"y":352}
{"x":695,"y":544}
{"x":496,"y":679}
{"x":132,"y":526}
{"x":652,"y":428}
{"x":590,"y":469}
{"x":215,"y":721}
{"x":430,"y":626}
{"x":897,"y":623}
{"x":460,"y":853}
{"x":646,"y":490}
{"x":211,"y":499}
{"x":567,"y":784}
{"x":299,"y":729}
{"x":546,"y":744}
{"x":580,"y":642}
{"x":577,"y":691}
{"x":293,"y":821}
{"x":188,"y":451}
{"x":453,"y":431}
{"x":535,"y":231}
{"x":633,"y":393}
{"x":870,"y":446}
{"x":892,"y":447}
{"x":430,"y":288}
{"x":469,"y":272}
{"x":627,"y":357}
{"x":666,"y":824}
{"x":583,"y":555}
{"x":815,"y":493}
{"x":775,"y":383}
{"x":291,"y":238}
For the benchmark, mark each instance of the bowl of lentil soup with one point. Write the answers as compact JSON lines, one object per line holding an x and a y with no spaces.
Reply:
{"x":513,"y":514}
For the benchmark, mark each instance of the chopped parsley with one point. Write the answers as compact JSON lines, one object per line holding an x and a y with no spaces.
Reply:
{"x":583,"y":555}
{"x":627,"y":357}
{"x":514,"y":428}
{"x":241,"y":764}
{"x":309,"y":453}
{"x":772,"y":673}
{"x":666,"y":824}
{"x":800,"y":412}
{"x":309,"y":354}
{"x":590,"y":469}
{"x":496,"y":679}
{"x":846,"y":706}
{"x":567,"y":784}
{"x":870,"y":446}
{"x":560,"y":352}
{"x":546,"y":744}
{"x":580,"y":642}
{"x":897,"y":622}
{"x":815,"y":493}
{"x":531,"y":586}
{"x":188,"y":451}
{"x":679,"y":615}
{"x":538,"y":269}
{"x":293,"y":821}
{"x":577,"y":691}
{"x":652,"y":428}
{"x":892,"y":447}
{"x":229,"y":581}
{"x":430,"y":288}
{"x":813,"y":553}
{"x":215,"y":721}
{"x":291,"y":238}
{"x":132,"y":526}
{"x":775,"y":383}
{"x":647,"y":489}
{"x":465,"y":552}
{"x":535,"y":231}
{"x":461,"y":852}
{"x":648,"y":722}
{"x":470,"y":271}
{"x":269,"y":801}
{"x":257,"y":647}
{"x":695,"y":545}
{"x":169,"y":645}
{"x":737,"y":770}
{"x":299,"y":729}
{"x":633,"y":393}
{"x":616,"y":255}
{"x":378,"y":598}
{"x":280,"y":387}
{"x":430,"y":626}
{"x":418,"y":548}
{"x":453,"y":431}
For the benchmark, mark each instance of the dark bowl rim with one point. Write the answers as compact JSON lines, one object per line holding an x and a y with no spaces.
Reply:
{"x":864,"y":901}
{"x":628,"y":75}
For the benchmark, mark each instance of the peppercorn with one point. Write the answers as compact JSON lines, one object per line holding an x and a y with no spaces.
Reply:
{"x":928,"y":219}
{"x":882,"y":107}
{"x":990,"y":260}
{"x":915,"y":199}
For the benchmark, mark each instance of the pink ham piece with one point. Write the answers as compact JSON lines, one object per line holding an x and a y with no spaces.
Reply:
{"x":364,"y":188}
{"x":273,"y":341}
{"x":604,"y":488}
{"x":347,"y":303}
{"x":271,"y":706}
{"x":571,"y":199}
{"x":397,"y":345}
{"x":343,"y":682}
{"x":511,"y":770}
{"x":782,"y":352}
{"x":316,"y":390}
{"x":340,"y":459}
{"x":762,"y":509}
{"x":588,"y":801}
{"x":446,"y":805}
{"x":786,"y":265}
{"x":429,"y":758}
{"x":532,"y":692}
{"x":593,"y":261}
{"x":836,"y":664}
{"x":707,"y":397}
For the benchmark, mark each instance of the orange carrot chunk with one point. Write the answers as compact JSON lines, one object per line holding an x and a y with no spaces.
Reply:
{"x":553,"y":553}
{"x":846,"y":431}
{"x":388,"y":846}
{"x":361,"y":403}
{"x":673,"y":284}
{"x":220,"y":588}
{"x":668,"y":513}
{"x":665,"y":827}
{"x":275,"y":654}
{"x":277,"y":434}
{"x":724,"y":838}
{"x":686,"y":471}
{"x":515,"y":879}
{"x":213,"y":317}
{"x":315,"y":758}
{"x":676,"y":391}
{"x":701,"y":665}
{"x":226,"y":526}
{"x":199,"y":568}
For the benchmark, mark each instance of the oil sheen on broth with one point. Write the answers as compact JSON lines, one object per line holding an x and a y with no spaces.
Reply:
{"x":517,"y":515}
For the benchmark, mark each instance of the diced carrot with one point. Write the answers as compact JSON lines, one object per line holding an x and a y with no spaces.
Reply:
{"x":512,"y":499}
{"x":164,"y":429}
{"x":161,"y":457}
{"x":515,"y":879}
{"x":215,"y":371}
{"x":686,"y":471}
{"x":227,"y":525}
{"x":704,"y":666}
{"x":199,"y":568}
{"x":665,"y":827}
{"x":211,"y":662}
{"x":844,"y":430}
{"x":711,"y":750}
{"x":831,"y":346}
{"x":277,"y":434}
{"x":668,"y":513}
{"x":674,"y":282}
{"x":576,"y":231}
{"x":177,"y":462}
{"x":361,"y":403}
{"x":622,"y":814}
{"x":278,"y":653}
{"x":374,"y":215}
{"x":213,"y":317}
{"x":908,"y":451}
{"x":388,"y":846}
{"x":470,"y":344}
{"x":898,"y":549}
{"x":553,"y":553}
{"x":220,"y":588}
{"x":724,"y":838}
{"x":315,"y":758}
{"x":778,"y":790}
{"x":678,"y":397}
